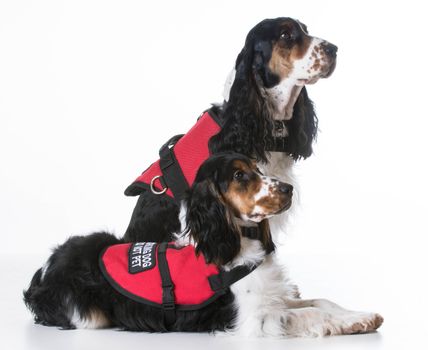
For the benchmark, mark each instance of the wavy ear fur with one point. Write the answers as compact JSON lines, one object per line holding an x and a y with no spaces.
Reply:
{"x":302,"y":127}
{"x":266,"y":237}
{"x":210,"y":224}
{"x":246,"y":120}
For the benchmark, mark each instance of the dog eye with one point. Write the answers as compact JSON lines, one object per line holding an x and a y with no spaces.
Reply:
{"x":286,"y":36}
{"x":238,"y":175}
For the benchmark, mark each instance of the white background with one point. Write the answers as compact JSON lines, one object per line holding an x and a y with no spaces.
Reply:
{"x":89,"y":90}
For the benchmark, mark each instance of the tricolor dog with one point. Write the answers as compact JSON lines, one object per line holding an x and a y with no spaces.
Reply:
{"x":210,"y":278}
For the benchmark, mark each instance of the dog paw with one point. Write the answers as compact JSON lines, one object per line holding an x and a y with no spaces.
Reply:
{"x":362,"y":323}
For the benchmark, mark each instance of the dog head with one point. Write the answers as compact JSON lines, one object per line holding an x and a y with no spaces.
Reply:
{"x":281,"y":48}
{"x":227,"y":191}
{"x":279,"y":57}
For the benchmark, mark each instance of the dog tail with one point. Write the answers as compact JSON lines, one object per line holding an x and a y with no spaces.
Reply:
{"x":29,"y":294}
{"x":40,"y":298}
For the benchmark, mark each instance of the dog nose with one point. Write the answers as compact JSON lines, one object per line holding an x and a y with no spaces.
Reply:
{"x":329,"y":49}
{"x":285,"y":188}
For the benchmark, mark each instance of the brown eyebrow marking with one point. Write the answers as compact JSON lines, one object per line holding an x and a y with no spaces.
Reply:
{"x":252,"y":165}
{"x":238,"y":164}
{"x":282,"y":58}
{"x":240,"y":198}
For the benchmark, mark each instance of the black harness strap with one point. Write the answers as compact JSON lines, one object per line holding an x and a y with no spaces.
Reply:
{"x":255,"y":233}
{"x":168,"y":299}
{"x":173,"y":176}
{"x":226,"y":278}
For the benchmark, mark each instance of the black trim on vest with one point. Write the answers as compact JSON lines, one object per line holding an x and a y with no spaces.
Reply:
{"x":226,"y":278}
{"x":214,"y":114}
{"x":136,"y":188}
{"x":172,"y":174}
{"x":168,"y":297}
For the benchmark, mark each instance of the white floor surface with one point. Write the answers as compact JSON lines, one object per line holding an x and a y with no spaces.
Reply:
{"x":394,"y":288}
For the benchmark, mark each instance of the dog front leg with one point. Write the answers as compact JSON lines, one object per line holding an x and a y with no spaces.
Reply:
{"x":318,"y":317}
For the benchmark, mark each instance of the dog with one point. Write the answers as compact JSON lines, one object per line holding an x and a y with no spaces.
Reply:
{"x":70,"y":291}
{"x":267,"y":115}
{"x":229,"y":193}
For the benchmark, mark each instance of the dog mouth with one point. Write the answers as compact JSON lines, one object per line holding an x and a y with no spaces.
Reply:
{"x":330,"y":69}
{"x":325,"y":73}
{"x":310,"y":81}
{"x":257,"y":217}
{"x":284,"y":208}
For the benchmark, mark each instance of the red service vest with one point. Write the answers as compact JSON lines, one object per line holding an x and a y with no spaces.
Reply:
{"x":180,"y":159}
{"x":167,"y":276}
{"x":134,"y":271}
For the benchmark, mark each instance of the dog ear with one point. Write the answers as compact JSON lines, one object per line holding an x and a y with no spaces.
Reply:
{"x":304,"y":26}
{"x":302,"y":127}
{"x":252,"y":64}
{"x":261,"y":71}
{"x":266,"y":236}
{"x":210,"y":224}
{"x":243,"y":65}
{"x":244,"y":112}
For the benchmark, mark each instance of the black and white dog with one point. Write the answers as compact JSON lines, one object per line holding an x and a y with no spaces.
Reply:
{"x":70,"y":291}
{"x":267,"y":114}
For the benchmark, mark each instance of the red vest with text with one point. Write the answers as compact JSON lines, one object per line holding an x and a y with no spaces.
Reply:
{"x":164,"y":275}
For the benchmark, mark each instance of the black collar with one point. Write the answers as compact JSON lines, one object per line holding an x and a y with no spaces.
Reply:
{"x":253,"y":232}
{"x":277,"y":142}
{"x":280,"y":126}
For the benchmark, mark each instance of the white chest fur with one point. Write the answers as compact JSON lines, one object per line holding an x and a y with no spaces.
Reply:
{"x":259,"y":299}
{"x":281,"y":167}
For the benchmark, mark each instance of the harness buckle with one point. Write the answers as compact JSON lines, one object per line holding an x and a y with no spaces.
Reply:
{"x":168,"y":306}
{"x":152,"y":186}
{"x":168,"y":300}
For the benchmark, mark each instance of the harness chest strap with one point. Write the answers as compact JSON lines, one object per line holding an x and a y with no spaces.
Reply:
{"x":218,"y":283}
{"x":226,"y":278}
{"x":172,"y":174}
{"x":168,"y":299}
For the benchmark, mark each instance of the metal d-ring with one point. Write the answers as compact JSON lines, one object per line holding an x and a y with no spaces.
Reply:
{"x":152,"y":186}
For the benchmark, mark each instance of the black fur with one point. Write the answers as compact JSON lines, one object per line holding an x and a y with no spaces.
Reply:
{"x":73,"y":279}
{"x":302,"y":128}
{"x":247,"y":130}
{"x":154,"y":219}
{"x":209,"y":219}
